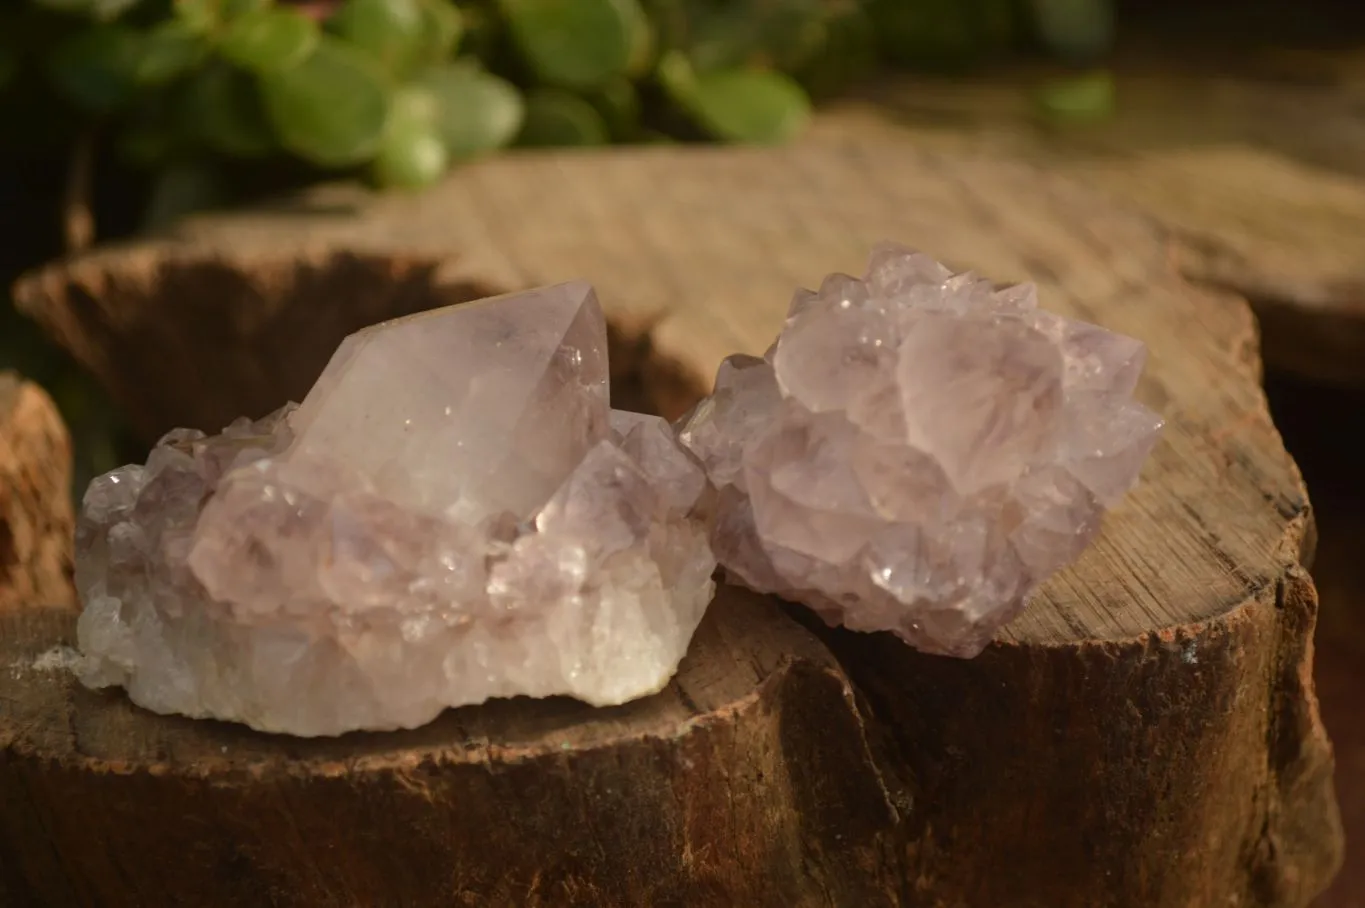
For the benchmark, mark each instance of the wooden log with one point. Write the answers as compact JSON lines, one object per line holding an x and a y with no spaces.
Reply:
{"x":35,"y":498}
{"x":1145,"y":734}
{"x":1259,"y":179}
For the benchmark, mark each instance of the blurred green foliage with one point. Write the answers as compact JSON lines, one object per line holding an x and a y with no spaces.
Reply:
{"x":408,"y":88}
{"x":191,"y":104}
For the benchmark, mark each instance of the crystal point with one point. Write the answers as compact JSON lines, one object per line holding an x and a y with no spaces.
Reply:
{"x":919,"y":450}
{"x":471,"y":410}
{"x":453,"y":513}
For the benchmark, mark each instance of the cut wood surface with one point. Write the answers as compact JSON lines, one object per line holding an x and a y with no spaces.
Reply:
{"x":1259,"y":178}
{"x":35,"y":499}
{"x":1145,"y":734}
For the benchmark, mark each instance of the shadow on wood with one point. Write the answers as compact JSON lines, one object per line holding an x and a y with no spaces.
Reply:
{"x":1311,"y":418}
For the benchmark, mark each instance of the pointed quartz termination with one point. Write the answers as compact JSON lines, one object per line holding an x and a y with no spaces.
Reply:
{"x":474,"y":411}
{"x":454,"y":513}
{"x":918,"y":450}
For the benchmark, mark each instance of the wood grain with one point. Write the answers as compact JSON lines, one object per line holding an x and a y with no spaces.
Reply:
{"x":1146,"y":733}
{"x":35,"y":498}
{"x":1258,"y":177}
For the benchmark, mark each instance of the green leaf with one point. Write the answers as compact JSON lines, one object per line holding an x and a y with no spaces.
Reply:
{"x":199,"y":16}
{"x":205,"y":16}
{"x":97,"y":67}
{"x":331,"y":108}
{"x":412,"y":154}
{"x":578,"y":43}
{"x":410,"y":159}
{"x":99,"y":10}
{"x":555,"y":118}
{"x":1079,"y":99}
{"x":738,"y":105}
{"x":443,"y":27}
{"x":391,"y":31}
{"x":231,"y":9}
{"x":169,"y":50}
{"x":269,"y":40}
{"x":412,"y":104}
{"x":643,"y":41}
{"x":783,"y":35}
{"x":474,"y":112}
{"x":223,"y":108}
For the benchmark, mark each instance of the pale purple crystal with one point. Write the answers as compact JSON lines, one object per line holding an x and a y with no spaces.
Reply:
{"x":454,"y":513}
{"x":919,"y":450}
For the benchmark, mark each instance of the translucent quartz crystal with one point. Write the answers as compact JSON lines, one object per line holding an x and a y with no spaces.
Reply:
{"x":453,"y":513}
{"x":918,"y":451}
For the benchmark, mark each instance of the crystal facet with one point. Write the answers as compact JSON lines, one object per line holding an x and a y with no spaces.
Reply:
{"x":453,"y":513}
{"x":919,"y":450}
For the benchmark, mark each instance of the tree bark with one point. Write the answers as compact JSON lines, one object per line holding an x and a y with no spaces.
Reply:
{"x":35,"y":498}
{"x":1145,"y":734}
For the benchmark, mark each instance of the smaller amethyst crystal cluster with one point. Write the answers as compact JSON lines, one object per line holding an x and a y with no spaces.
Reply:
{"x":918,"y":451}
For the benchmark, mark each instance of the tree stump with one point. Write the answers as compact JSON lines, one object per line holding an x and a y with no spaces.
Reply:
{"x":35,"y":499}
{"x":1145,"y":734}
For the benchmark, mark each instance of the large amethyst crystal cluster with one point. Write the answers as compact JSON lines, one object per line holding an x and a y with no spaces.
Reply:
{"x":453,"y":513}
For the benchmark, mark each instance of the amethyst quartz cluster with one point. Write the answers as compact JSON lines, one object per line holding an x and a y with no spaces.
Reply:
{"x":919,"y":450}
{"x":455,"y":513}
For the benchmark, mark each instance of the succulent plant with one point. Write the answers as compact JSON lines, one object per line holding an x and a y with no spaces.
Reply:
{"x":205,"y":102}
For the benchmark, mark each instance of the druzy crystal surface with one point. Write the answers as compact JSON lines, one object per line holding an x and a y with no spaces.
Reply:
{"x":919,"y":450}
{"x":453,"y":513}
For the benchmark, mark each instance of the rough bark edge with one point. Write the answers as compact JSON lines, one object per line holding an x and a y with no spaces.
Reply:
{"x":36,"y":522}
{"x":1300,"y":760}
